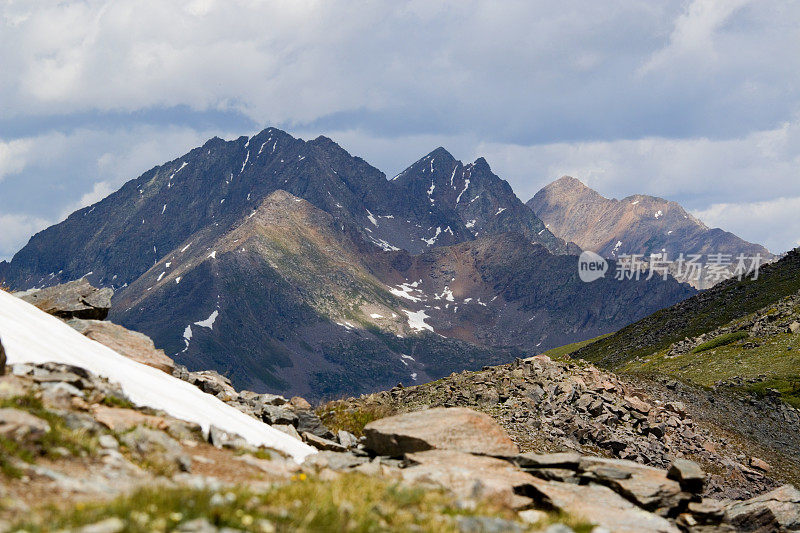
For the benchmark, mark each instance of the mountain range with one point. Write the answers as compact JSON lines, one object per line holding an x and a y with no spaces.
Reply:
{"x":293,"y":266}
{"x":637,"y":224}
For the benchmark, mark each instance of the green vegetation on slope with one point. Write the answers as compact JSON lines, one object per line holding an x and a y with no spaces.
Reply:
{"x":562,"y":351}
{"x":54,"y":443}
{"x":702,"y":313}
{"x":722,"y":340}
{"x":773,"y":364}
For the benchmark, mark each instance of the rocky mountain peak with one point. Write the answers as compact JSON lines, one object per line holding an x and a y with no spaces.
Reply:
{"x":639,"y":224}
{"x":484,"y":202}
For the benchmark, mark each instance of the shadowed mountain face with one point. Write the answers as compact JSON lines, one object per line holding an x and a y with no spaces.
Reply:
{"x":294,"y":267}
{"x":484,"y":203}
{"x":637,"y":224}
{"x":213,"y":186}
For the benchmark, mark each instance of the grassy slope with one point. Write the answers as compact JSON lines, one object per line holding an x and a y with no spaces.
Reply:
{"x":562,"y":351}
{"x":702,"y":313}
{"x":774,"y":363}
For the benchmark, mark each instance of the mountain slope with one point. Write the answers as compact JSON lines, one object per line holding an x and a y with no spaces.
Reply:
{"x":504,"y":291}
{"x":213,"y":186}
{"x":484,"y":203}
{"x":637,"y":224}
{"x":251,"y":304}
{"x":287,"y":301}
{"x":294,"y":267}
{"x":703,"y":313}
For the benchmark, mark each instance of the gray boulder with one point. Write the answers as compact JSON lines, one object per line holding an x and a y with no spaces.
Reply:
{"x":76,"y":299}
{"x":21,"y":426}
{"x":157,"y":446}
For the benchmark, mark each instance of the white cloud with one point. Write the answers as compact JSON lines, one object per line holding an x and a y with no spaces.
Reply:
{"x":15,"y":230}
{"x":507,"y":69}
{"x":774,"y":223}
{"x":100,"y":190}
{"x":694,"y":33}
{"x":759,"y":166}
{"x":56,"y":173}
{"x":14,"y":156}
{"x":694,"y":101}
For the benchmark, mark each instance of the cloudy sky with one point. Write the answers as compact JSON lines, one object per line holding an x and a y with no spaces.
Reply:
{"x":695,"y":101}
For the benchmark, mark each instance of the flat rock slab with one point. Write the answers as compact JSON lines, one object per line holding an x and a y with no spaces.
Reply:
{"x":599,"y":505}
{"x":568,"y":460}
{"x":122,"y":419}
{"x":455,"y":429}
{"x":647,"y":486}
{"x":76,"y":299}
{"x":131,"y":344}
{"x":469,"y":476}
{"x":783,"y":503}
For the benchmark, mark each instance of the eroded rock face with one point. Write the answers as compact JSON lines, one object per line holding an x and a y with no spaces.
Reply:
{"x":131,"y":344}
{"x":455,"y":429}
{"x":777,"y":509}
{"x":600,"y":505}
{"x":76,"y":299}
{"x":469,"y":476}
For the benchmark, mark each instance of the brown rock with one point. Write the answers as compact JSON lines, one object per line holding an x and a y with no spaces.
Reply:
{"x":760,"y":464}
{"x":456,"y":429}
{"x":119,"y":420}
{"x":647,"y":486}
{"x":299,"y":403}
{"x":782,"y":504}
{"x":323,"y":444}
{"x":131,"y":344}
{"x":637,"y":405}
{"x":707,"y":510}
{"x":688,"y":473}
{"x":469,"y":476}
{"x":212,"y":382}
{"x":2,"y":359}
{"x":599,"y":505}
{"x":568,"y":460}
{"x":12,"y":386}
{"x":76,"y":299}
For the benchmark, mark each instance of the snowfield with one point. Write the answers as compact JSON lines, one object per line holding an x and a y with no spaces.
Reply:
{"x":32,"y":336}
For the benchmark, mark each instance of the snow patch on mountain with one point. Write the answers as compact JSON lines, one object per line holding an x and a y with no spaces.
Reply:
{"x":208,"y":322}
{"x":405,"y":290}
{"x":416,"y":320}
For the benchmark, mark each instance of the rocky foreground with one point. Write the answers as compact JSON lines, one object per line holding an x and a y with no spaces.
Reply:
{"x":78,"y":440}
{"x":537,"y":445}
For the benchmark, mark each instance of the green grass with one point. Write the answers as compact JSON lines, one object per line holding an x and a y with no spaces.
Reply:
{"x":351,"y":502}
{"x":777,"y":357}
{"x":51,"y":444}
{"x":116,"y":401}
{"x":339,"y":416}
{"x":720,"y":305}
{"x":562,"y":351}
{"x":720,"y":340}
